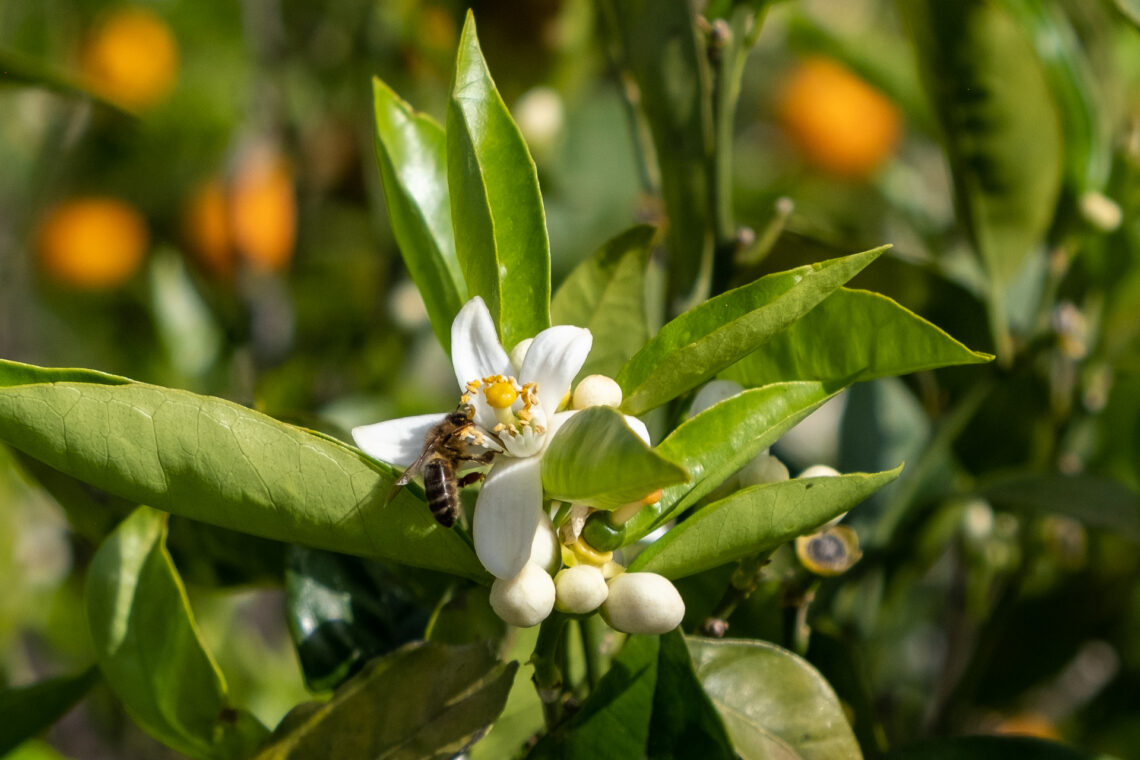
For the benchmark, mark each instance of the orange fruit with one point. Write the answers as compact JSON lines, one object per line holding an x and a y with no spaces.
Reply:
{"x":252,"y":218}
{"x":263,"y":210}
{"x":131,"y":58}
{"x":1028,"y":724}
{"x":92,"y":243}
{"x":206,"y":225}
{"x":839,"y":122}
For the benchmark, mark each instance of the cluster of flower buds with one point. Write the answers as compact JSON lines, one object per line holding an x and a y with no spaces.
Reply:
{"x":566,"y":573}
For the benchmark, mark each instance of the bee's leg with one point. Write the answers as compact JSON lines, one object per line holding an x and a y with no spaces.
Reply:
{"x":485,"y":458}
{"x":470,"y":478}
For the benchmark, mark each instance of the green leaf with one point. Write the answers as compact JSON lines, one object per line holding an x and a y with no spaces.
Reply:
{"x":149,"y":650}
{"x":661,"y":48}
{"x":1001,"y":130}
{"x":774,"y":704}
{"x":706,"y":339}
{"x":28,"y":710}
{"x":718,"y":441}
{"x":756,"y":520}
{"x":683,"y":715}
{"x":496,"y":206}
{"x":649,"y":704}
{"x":1097,"y":502}
{"x":596,"y":458}
{"x":215,"y":461}
{"x":411,"y":150}
{"x":854,"y":335}
{"x":993,"y":748}
{"x":606,"y":294}
{"x":342,"y":612}
{"x":19,"y":69}
{"x":1074,"y":86}
{"x":423,"y":701}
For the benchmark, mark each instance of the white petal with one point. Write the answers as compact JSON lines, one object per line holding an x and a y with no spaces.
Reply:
{"x":507,"y":515}
{"x":398,"y":441}
{"x":638,"y":427}
{"x":475,"y":348}
{"x":553,"y":360}
{"x":554,"y":423}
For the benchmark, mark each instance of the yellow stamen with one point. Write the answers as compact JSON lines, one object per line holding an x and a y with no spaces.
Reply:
{"x":653,"y":497}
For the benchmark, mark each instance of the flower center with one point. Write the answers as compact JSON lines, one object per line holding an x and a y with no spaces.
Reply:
{"x":521,"y":426}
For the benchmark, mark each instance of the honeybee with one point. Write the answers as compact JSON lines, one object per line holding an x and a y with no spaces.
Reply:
{"x":445,"y":449}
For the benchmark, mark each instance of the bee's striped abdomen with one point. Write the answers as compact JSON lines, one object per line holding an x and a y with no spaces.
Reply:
{"x":441,"y":490}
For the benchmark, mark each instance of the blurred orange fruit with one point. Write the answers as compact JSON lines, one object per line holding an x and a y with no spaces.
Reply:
{"x":131,"y":58}
{"x":252,"y":218}
{"x":207,"y":227}
{"x":1028,"y":724}
{"x":841,"y":123}
{"x":263,"y":209}
{"x":93,"y":243}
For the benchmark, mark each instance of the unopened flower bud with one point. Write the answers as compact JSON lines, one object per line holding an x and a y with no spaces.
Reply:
{"x":518,"y":353}
{"x":1101,"y":211}
{"x":643,"y":603}
{"x":713,"y":393}
{"x":526,"y":599}
{"x":580,"y":589}
{"x":764,"y":468}
{"x":597,"y":390}
{"x":819,"y":471}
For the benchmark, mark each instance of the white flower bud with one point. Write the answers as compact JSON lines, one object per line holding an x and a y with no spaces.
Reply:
{"x":518,"y":353}
{"x":643,"y":603}
{"x":1101,"y":211}
{"x":526,"y":599}
{"x":819,"y":471}
{"x":597,"y":390}
{"x":540,"y":116}
{"x":580,"y":589}
{"x":545,"y":550}
{"x":713,"y":393}
{"x":764,"y":468}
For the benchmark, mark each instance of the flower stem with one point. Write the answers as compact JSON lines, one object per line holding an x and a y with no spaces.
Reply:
{"x":548,"y":680}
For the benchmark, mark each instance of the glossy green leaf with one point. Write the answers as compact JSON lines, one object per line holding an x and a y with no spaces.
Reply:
{"x":149,"y":650}
{"x":412,"y":153}
{"x":496,"y":206}
{"x":28,"y":710}
{"x":649,"y":704}
{"x":606,"y":294}
{"x":755,"y":520}
{"x":221,"y":463}
{"x":343,"y":611}
{"x":423,"y":701}
{"x":683,"y":715}
{"x":1001,"y":129}
{"x":774,"y":704}
{"x":993,"y":748}
{"x":706,"y":339}
{"x":868,"y":336}
{"x":661,"y":48}
{"x":717,"y":442}
{"x":596,"y":458}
